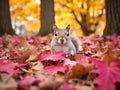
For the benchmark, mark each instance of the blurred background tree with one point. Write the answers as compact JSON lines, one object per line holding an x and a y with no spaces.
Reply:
{"x":84,"y":16}
{"x":47,"y":17}
{"x":25,"y":16}
{"x":88,"y":14}
{"x":112,"y":17}
{"x":5,"y":20}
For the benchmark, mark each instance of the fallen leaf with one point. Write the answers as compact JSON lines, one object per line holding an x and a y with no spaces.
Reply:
{"x":28,"y":81}
{"x":7,"y":82}
{"x":15,"y":40}
{"x":110,"y":55}
{"x":55,"y":69}
{"x":79,"y":70}
{"x":107,"y":75}
{"x":25,"y":53}
{"x":79,"y":84}
{"x":10,"y":67}
{"x":115,"y":40}
{"x":66,"y":86}
{"x":38,"y":71}
{"x":2,"y":53}
{"x":32,"y":56}
{"x":54,"y":57}
{"x":14,"y":55}
{"x":51,"y":83}
{"x":68,"y":63}
{"x":84,"y":87}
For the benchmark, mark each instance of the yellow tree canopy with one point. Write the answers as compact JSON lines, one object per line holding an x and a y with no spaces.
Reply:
{"x":27,"y":11}
{"x":92,"y":8}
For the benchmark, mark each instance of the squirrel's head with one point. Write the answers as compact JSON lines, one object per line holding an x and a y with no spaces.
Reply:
{"x":61,"y":35}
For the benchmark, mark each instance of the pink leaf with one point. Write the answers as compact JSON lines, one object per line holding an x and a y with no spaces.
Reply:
{"x":115,"y":40}
{"x":28,"y":81}
{"x":15,"y":40}
{"x":68,"y":63}
{"x":10,"y":67}
{"x":53,"y":57}
{"x":66,"y":86}
{"x":14,"y":54}
{"x":108,"y":75}
{"x":34,"y":40}
{"x":55,"y":69}
{"x":2,"y":53}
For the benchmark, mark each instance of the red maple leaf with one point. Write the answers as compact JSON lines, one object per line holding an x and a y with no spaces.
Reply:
{"x":108,"y":75}
{"x":55,"y":69}
{"x":28,"y":81}
{"x":10,"y":67}
{"x":54,"y":57}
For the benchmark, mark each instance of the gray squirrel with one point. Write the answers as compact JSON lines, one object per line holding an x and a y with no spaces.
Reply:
{"x":64,"y":41}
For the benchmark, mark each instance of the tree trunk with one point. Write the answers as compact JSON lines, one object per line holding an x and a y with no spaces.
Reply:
{"x":47,"y":17}
{"x":84,"y":24}
{"x":112,"y":17}
{"x":5,"y":21}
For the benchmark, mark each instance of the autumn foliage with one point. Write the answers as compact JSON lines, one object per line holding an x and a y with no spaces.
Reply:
{"x":27,"y":64}
{"x":85,"y":14}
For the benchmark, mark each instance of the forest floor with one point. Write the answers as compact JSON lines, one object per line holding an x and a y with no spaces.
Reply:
{"x":27,"y":64}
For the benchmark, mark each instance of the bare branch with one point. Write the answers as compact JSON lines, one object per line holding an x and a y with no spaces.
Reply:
{"x":76,"y":18}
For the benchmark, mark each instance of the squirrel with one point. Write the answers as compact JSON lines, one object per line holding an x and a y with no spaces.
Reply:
{"x":64,"y":41}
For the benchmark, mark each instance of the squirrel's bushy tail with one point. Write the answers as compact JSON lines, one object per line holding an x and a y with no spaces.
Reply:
{"x":76,"y":42}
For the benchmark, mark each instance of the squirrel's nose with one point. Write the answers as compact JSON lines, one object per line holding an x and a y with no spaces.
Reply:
{"x":62,"y":40}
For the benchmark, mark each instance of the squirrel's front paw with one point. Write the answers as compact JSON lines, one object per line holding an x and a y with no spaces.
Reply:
{"x":72,"y":53}
{"x":67,"y":55}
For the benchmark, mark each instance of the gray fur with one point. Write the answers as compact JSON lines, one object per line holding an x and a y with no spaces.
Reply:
{"x":71,"y":46}
{"x":76,"y":42}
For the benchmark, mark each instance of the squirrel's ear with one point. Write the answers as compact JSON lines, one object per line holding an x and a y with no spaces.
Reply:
{"x":54,"y":27}
{"x":68,"y":27}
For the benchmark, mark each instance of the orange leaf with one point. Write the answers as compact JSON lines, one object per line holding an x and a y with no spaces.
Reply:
{"x":110,"y":55}
{"x":79,"y":70}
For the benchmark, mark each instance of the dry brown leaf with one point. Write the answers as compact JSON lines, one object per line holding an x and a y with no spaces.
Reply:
{"x":7,"y":82}
{"x":32,"y":56}
{"x":81,"y":84}
{"x":79,"y":70}
{"x":25,"y":53}
{"x":51,"y":83}
{"x":22,"y":43}
{"x":110,"y":55}
{"x":34,"y":88}
{"x":97,"y":55}
{"x":117,"y":52}
{"x":37,"y":66}
{"x":84,"y":87}
{"x":71,"y":57}
{"x":37,"y":69}
{"x":66,"y":86}
{"x":79,"y":55}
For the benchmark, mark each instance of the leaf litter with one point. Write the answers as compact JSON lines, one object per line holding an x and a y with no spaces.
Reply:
{"x":27,"y":64}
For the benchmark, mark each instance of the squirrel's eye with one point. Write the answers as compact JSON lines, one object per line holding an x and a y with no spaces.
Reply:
{"x":55,"y":34}
{"x":67,"y":34}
